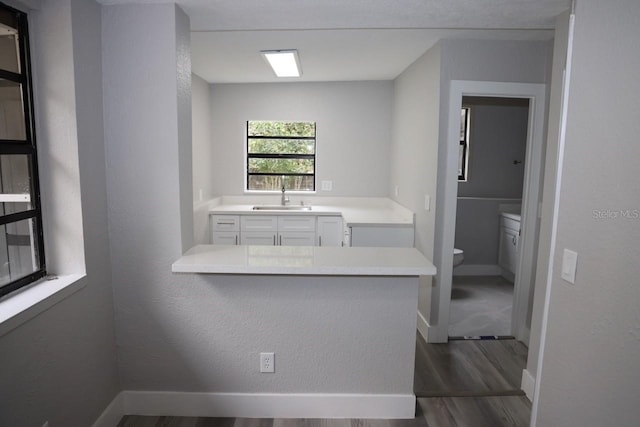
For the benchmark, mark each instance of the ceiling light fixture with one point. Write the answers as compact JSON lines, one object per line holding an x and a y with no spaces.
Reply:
{"x":285,"y":63}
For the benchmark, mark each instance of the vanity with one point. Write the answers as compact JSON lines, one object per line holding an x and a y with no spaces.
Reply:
{"x":509,"y":248}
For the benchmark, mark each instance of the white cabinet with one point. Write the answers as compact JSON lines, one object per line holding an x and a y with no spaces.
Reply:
{"x":297,"y":230}
{"x":258,"y":230}
{"x":296,"y":238}
{"x":509,"y":248}
{"x":330,"y":231}
{"x":225,"y":229}
{"x":264,"y":238}
{"x":383,"y":236}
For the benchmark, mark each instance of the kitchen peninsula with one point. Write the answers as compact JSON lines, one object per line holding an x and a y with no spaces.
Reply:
{"x":336,"y":318}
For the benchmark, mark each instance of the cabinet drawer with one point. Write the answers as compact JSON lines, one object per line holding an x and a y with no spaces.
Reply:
{"x":509,"y":223}
{"x":259,"y":223}
{"x":225,"y":238}
{"x":225,"y":222}
{"x":263,"y":238}
{"x":297,"y":223}
{"x":297,"y":238}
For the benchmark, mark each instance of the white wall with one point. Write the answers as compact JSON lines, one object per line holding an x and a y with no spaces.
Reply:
{"x":353,"y":122}
{"x":60,"y":366}
{"x":202,"y":142}
{"x":414,"y":151}
{"x":590,"y":372}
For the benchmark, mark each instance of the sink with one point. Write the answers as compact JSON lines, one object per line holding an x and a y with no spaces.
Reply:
{"x":281,"y":208}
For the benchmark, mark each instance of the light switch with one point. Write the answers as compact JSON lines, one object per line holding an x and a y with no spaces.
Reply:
{"x":327,"y":185}
{"x":427,"y":202}
{"x":569,"y":266}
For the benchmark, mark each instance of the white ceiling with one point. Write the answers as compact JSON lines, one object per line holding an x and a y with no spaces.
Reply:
{"x":341,"y":40}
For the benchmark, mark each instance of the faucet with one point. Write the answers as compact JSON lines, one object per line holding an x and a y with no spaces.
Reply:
{"x":284,"y":199}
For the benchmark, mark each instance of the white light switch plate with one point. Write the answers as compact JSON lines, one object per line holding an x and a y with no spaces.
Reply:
{"x":569,"y":266}
{"x":427,"y":202}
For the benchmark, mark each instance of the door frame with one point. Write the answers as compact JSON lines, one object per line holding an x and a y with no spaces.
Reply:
{"x":531,"y":196}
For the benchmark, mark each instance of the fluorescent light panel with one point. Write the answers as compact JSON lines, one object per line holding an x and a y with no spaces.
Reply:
{"x":285,"y":63}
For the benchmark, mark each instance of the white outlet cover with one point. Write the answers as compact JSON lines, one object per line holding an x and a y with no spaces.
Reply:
{"x":267,"y":362}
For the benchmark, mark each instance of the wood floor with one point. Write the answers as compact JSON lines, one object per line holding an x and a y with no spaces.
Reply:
{"x":459,"y":384}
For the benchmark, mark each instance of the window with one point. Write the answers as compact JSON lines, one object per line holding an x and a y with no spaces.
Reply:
{"x":281,"y":153}
{"x":463,"y":153}
{"x":21,"y":242}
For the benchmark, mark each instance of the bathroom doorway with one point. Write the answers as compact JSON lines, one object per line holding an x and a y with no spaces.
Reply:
{"x":493,"y":139}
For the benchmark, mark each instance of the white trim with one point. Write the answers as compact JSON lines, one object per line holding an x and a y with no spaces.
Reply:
{"x":566,"y":80}
{"x":112,"y":414}
{"x":477,"y":270}
{"x":267,"y":405}
{"x":423,"y":327}
{"x":528,"y":384}
{"x":449,"y":185}
{"x":30,"y":301}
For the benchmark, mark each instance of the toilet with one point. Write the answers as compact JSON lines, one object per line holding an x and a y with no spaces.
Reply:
{"x":458,"y":256}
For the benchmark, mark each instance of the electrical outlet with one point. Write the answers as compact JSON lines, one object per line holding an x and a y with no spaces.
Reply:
{"x":267,"y":362}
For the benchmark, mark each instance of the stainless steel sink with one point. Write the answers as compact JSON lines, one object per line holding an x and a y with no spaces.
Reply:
{"x":281,"y":208}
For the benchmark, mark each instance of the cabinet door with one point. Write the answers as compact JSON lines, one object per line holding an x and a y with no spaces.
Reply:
{"x":330,"y":231}
{"x":263,"y":238}
{"x":225,"y":222}
{"x":252,"y":223}
{"x":508,"y":251}
{"x":297,"y":238}
{"x":297,"y":223}
{"x":225,"y":238}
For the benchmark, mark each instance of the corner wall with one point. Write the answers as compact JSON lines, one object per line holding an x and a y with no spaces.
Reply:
{"x":590,"y":372}
{"x":60,"y":366}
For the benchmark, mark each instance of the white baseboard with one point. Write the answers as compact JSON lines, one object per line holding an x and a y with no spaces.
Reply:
{"x":111,"y":416}
{"x":258,"y":405}
{"x":528,"y":384}
{"x":477,"y":270}
{"x":423,"y":327}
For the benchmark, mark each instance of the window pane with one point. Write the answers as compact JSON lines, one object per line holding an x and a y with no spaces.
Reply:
{"x":463,"y":124}
{"x":15,"y":183}
{"x":274,"y":128}
{"x":283,"y":146}
{"x":280,"y":166}
{"x":461,"y":162}
{"x":274,"y":183}
{"x":18,"y":254}
{"x":9,"y":53}
{"x":11,"y":111}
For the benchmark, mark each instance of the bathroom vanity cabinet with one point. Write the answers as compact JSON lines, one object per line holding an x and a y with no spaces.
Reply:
{"x":509,"y":244}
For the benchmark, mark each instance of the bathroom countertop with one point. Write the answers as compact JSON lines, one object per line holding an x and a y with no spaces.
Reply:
{"x":304,"y":260}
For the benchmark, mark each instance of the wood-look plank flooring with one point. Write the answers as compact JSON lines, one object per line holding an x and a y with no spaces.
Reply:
{"x":505,"y":411}
{"x":459,"y":384}
{"x":469,"y":368}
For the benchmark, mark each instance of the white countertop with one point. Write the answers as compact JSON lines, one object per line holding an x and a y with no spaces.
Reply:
{"x":355,"y":211}
{"x":304,"y":260}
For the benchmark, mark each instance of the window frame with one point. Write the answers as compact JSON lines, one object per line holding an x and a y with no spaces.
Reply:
{"x":464,"y":144}
{"x":249,"y":156}
{"x":27,"y":147}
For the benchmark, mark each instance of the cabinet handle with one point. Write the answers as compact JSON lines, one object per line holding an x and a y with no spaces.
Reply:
{"x":319,"y":240}
{"x":236,"y":240}
{"x":513,"y":240}
{"x":274,"y":240}
{"x":280,"y":242}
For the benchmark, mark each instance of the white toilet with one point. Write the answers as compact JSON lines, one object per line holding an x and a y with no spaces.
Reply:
{"x":458,"y":256}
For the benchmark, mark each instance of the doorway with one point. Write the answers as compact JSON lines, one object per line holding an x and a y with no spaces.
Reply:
{"x":493,"y":137}
{"x":447,"y":209}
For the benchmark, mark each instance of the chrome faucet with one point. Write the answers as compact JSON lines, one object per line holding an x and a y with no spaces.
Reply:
{"x":284,"y":200}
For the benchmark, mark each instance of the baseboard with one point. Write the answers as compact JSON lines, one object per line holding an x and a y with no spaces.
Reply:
{"x":528,"y":384}
{"x":423,"y":327}
{"x":268,"y":405}
{"x":112,"y":415}
{"x":477,"y":270}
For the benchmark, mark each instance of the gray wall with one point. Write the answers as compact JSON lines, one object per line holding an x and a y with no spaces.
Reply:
{"x":498,"y":136}
{"x":353,"y":131}
{"x":60,"y":366}
{"x":202,"y":142}
{"x":479,"y":60}
{"x":590,"y":372}
{"x":414,"y":150}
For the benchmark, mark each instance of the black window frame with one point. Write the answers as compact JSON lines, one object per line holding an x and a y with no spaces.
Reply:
{"x":464,"y":145}
{"x":281,"y":156}
{"x":26,"y":147}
